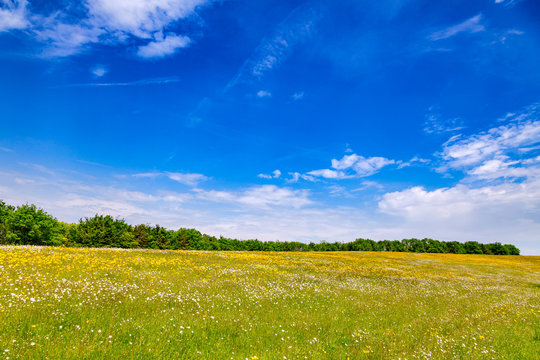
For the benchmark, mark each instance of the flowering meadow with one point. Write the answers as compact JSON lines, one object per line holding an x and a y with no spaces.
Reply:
{"x":60,"y":303}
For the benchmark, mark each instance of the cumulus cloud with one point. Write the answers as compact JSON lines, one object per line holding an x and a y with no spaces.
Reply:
{"x":105,"y":22}
{"x":499,"y":195}
{"x":507,"y":212}
{"x":496,"y":152}
{"x":471,"y":26}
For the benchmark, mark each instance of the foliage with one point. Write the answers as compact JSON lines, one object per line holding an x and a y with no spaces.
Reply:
{"x":28,"y":225}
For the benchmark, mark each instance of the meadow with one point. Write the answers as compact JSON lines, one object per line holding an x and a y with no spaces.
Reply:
{"x":68,"y":303}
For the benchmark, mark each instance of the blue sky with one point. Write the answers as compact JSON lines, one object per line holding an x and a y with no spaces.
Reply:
{"x":284,"y":120}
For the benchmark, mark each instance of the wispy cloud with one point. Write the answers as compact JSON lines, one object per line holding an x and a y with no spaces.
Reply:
{"x":13,"y":15}
{"x":154,"y":81}
{"x":275,"y":174}
{"x":272,"y":51}
{"x":191,"y":179}
{"x":349,"y":166}
{"x":295,"y":176}
{"x":99,"y":71}
{"x":271,"y":195}
{"x":414,"y":161}
{"x":298,"y":96}
{"x":471,"y":26}
{"x":163,"y":47}
{"x":495,"y":149}
{"x":264,"y":94}
{"x":436,"y":124}
{"x":5,"y":149}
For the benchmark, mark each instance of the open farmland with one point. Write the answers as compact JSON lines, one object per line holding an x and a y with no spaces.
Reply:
{"x":61,"y":303}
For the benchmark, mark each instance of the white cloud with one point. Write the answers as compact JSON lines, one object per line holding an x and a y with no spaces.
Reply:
{"x":497,"y":200}
{"x":505,"y":212}
{"x":264,"y":94}
{"x":187,"y":178}
{"x":271,"y":52}
{"x":263,"y":196}
{"x":191,"y":179}
{"x":22,"y":181}
{"x":471,"y":25}
{"x":167,"y":46}
{"x":143,"y":82}
{"x":13,"y":15}
{"x":339,"y":191}
{"x":140,"y":18}
{"x":275,"y":174}
{"x":298,"y":96}
{"x":66,"y":39}
{"x":99,"y":71}
{"x":413,"y":161}
{"x":329,"y":174}
{"x":435,"y":124}
{"x":495,"y":145}
{"x":295,"y":176}
{"x":5,"y":149}
{"x":271,"y":195}
{"x":350,"y":166}
{"x":362,"y":166}
{"x":106,"y":22}
{"x":509,"y":212}
{"x":368,"y":184}
{"x":509,"y":33}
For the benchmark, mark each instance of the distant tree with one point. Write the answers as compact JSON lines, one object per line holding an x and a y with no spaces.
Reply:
{"x":455,"y":247}
{"x":27,"y":224}
{"x":473,"y":247}
{"x":413,"y":245}
{"x":433,"y":246}
{"x":497,"y":249}
{"x":511,"y":249}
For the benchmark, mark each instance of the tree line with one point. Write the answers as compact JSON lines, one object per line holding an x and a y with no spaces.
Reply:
{"x":30,"y":225}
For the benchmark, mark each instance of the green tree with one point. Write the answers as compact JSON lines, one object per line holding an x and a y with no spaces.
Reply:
{"x":33,"y":226}
{"x":6,"y":217}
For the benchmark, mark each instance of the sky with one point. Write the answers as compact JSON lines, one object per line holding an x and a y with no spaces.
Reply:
{"x":277,"y":120}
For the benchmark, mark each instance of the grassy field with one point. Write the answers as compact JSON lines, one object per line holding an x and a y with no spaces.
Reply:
{"x":58,"y":303}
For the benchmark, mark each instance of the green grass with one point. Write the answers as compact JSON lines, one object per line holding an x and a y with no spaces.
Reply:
{"x":61,"y":303}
